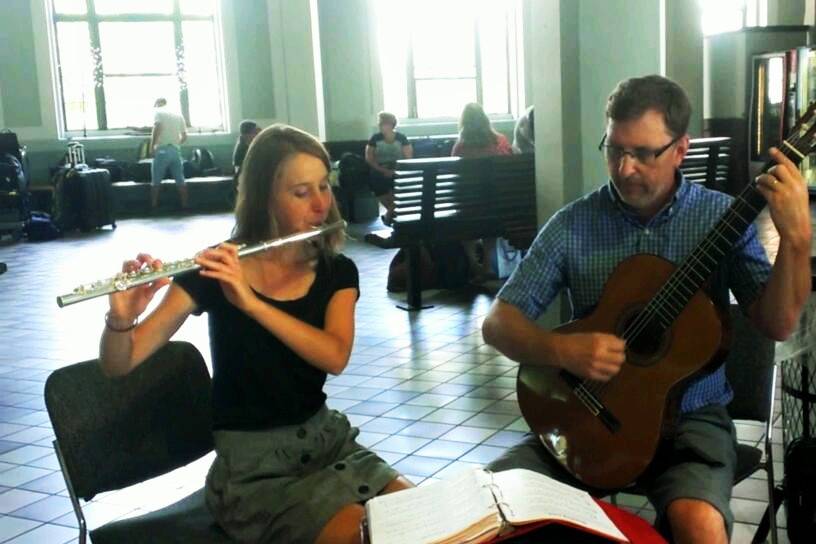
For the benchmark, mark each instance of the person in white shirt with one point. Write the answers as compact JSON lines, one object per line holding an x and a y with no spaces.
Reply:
{"x":169,"y":132}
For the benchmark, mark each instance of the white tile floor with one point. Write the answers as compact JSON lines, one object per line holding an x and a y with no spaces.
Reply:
{"x":426,"y":392}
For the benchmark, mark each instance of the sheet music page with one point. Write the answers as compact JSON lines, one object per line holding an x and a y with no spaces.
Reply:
{"x":431,"y":512}
{"x":529,"y":496}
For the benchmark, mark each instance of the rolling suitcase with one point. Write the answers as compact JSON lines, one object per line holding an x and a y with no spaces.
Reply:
{"x":84,"y":199}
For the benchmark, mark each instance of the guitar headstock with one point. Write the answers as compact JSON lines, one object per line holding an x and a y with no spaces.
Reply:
{"x":802,"y":137}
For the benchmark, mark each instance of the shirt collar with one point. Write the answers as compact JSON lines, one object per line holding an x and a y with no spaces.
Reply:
{"x":664,"y":214}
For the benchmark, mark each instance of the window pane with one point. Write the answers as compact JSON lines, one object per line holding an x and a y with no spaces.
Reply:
{"x":440,"y":36}
{"x":201,"y":74}
{"x":76,"y":71}
{"x":197,"y":7}
{"x":138,"y":48}
{"x":70,"y":7}
{"x":393,"y":41}
{"x":493,"y":48}
{"x":116,"y":7}
{"x":450,"y":53}
{"x":130,"y":99}
{"x":444,"y":98}
{"x":722,"y":16}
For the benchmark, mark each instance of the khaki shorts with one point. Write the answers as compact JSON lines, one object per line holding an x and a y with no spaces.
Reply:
{"x":698,"y":464}
{"x":285,"y":484}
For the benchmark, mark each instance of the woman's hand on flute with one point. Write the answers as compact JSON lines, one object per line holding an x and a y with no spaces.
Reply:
{"x":126,"y":306}
{"x":222,"y":263}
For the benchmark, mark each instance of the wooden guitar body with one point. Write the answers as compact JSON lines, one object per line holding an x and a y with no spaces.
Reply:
{"x":609,"y":448}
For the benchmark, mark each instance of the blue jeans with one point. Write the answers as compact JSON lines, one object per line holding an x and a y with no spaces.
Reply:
{"x":166,"y":156}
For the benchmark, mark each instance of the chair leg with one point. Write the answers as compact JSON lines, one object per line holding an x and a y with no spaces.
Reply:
{"x":773,"y":505}
{"x":768,"y":521}
{"x":83,"y":528}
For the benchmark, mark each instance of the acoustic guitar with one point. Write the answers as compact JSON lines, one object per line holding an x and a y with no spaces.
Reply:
{"x":606,"y":433}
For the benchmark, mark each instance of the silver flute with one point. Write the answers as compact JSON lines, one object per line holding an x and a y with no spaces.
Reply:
{"x":127,"y":280}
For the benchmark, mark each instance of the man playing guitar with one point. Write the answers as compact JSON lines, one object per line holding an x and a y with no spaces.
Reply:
{"x":648,"y":207}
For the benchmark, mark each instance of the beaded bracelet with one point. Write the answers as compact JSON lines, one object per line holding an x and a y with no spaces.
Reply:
{"x":114,"y":329}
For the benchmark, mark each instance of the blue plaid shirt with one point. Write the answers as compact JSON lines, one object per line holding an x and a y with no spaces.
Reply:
{"x":582,"y":243}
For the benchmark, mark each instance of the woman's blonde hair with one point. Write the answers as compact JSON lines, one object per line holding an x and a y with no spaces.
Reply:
{"x":261,"y":168}
{"x":474,"y":127}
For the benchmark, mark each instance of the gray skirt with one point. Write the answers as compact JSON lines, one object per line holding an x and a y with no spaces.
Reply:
{"x":285,"y":484}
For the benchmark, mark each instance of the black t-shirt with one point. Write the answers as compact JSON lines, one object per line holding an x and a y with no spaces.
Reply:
{"x":386,"y":153}
{"x":258,"y":382}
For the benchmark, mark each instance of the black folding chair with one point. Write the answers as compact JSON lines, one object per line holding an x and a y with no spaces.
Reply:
{"x":116,"y":432}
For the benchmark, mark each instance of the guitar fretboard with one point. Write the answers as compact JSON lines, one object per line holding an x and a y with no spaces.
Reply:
{"x":695,"y":270}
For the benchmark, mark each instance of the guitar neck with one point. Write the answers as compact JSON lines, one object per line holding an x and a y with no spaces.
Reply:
{"x":698,"y":267}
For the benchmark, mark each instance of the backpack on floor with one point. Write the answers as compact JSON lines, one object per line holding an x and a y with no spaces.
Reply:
{"x":41,"y":228}
{"x":398,"y":271}
{"x":353,"y":172}
{"x":12,"y":177}
{"x":451,"y":264}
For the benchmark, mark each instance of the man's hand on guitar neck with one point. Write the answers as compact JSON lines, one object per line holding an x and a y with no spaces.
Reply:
{"x":786,"y":192}
{"x":776,"y":312}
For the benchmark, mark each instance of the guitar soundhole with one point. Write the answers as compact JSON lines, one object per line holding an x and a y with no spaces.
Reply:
{"x":645,"y":341}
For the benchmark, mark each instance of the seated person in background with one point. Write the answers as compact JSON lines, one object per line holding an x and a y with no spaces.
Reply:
{"x":382,"y":152}
{"x":477,"y":138}
{"x":246,"y":133}
{"x":287,"y":468}
{"x":647,"y":206}
{"x":524,"y":133}
{"x":169,"y":132}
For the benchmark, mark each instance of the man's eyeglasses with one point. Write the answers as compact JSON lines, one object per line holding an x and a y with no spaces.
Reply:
{"x":643,"y":155}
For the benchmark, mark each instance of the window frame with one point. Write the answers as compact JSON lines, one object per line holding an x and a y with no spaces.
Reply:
{"x":93,"y":20}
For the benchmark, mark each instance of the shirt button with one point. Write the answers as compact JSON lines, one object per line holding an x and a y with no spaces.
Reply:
{"x":305,"y":458}
{"x":340,"y":466}
{"x":363,"y":489}
{"x":301,"y":433}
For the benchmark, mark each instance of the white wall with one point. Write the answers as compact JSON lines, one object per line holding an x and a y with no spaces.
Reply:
{"x":619,"y":39}
{"x":295,"y":37}
{"x":684,"y":55}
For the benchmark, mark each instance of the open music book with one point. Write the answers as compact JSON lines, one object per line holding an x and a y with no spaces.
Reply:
{"x":478,"y":506}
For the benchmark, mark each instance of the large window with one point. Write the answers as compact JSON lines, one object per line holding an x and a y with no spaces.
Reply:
{"x":115,"y":57}
{"x":438,"y":55}
{"x":728,"y":15}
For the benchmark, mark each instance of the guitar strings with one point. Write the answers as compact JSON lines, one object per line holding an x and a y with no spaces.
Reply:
{"x":683,"y":273}
{"x":651,"y":311}
{"x":709,"y":242}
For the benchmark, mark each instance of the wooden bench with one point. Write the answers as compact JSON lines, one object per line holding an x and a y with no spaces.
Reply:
{"x":214,"y":193}
{"x":451,"y":198}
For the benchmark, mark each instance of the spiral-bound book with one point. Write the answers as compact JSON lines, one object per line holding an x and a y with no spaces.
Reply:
{"x":478,"y":506}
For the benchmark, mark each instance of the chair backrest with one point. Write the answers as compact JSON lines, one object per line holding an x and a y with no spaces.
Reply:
{"x":707,"y":162}
{"x":750,"y":368}
{"x":451,"y":197}
{"x":115,"y":432}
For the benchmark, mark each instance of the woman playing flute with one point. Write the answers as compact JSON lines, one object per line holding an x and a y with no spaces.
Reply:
{"x":287,"y":468}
